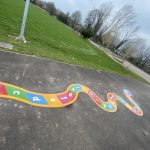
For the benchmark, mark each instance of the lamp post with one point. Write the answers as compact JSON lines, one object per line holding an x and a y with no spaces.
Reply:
{"x":21,"y":36}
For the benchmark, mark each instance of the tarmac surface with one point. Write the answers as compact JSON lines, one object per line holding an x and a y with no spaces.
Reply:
{"x":126,"y":64}
{"x":82,"y":125}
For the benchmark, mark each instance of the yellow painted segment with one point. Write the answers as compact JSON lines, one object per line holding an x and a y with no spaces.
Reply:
{"x":69,"y":96}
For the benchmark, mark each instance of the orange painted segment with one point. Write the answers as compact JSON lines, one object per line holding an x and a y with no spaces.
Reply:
{"x":69,"y":96}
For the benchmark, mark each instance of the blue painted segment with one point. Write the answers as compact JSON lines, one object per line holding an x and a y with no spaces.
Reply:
{"x":109,"y":106}
{"x":76,"y":88}
{"x":36,"y":99}
{"x":127,"y":92}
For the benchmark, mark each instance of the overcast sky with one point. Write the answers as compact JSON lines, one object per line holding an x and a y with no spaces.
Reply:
{"x":142,"y":8}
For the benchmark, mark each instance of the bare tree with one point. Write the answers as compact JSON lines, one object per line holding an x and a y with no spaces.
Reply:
{"x":98,"y":19}
{"x":92,"y":18}
{"x":124,"y":22}
{"x":138,"y":53}
{"x":51,"y":8}
{"x":127,"y":35}
{"x":129,"y":49}
{"x":146,"y":58}
{"x":110,"y":40}
{"x":124,"y":18}
{"x":138,"y":45}
{"x":76,"y":19}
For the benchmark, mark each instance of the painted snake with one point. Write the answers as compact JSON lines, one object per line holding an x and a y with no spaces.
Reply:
{"x":68,"y":97}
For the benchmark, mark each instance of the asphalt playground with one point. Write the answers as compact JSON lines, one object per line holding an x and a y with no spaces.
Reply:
{"x":80,"y":126}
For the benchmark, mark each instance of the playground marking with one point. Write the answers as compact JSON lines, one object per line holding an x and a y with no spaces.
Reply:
{"x":69,"y":96}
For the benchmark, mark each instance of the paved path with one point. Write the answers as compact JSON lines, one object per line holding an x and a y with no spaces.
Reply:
{"x":136,"y":70}
{"x":124,"y":63}
{"x":81,"y":126}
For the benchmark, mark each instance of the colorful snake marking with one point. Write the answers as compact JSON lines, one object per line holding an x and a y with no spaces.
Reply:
{"x":68,"y":97}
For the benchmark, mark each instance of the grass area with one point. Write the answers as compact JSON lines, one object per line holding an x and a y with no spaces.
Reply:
{"x":49,"y":38}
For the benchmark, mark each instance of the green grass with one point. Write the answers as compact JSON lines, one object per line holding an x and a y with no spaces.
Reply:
{"x":49,"y":38}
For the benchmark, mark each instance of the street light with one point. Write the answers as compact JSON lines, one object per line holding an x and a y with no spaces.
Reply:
{"x":21,"y":36}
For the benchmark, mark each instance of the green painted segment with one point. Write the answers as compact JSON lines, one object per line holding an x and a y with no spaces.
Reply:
{"x":104,"y":106}
{"x":73,"y":89}
{"x":16,"y":92}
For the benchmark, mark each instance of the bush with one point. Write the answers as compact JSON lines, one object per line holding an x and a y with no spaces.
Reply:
{"x":64,"y":18}
{"x":87,"y":32}
{"x":50,"y":7}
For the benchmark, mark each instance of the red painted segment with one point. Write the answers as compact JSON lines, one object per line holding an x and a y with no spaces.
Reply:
{"x":66,"y":97}
{"x":3,"y":90}
{"x":94,"y":97}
